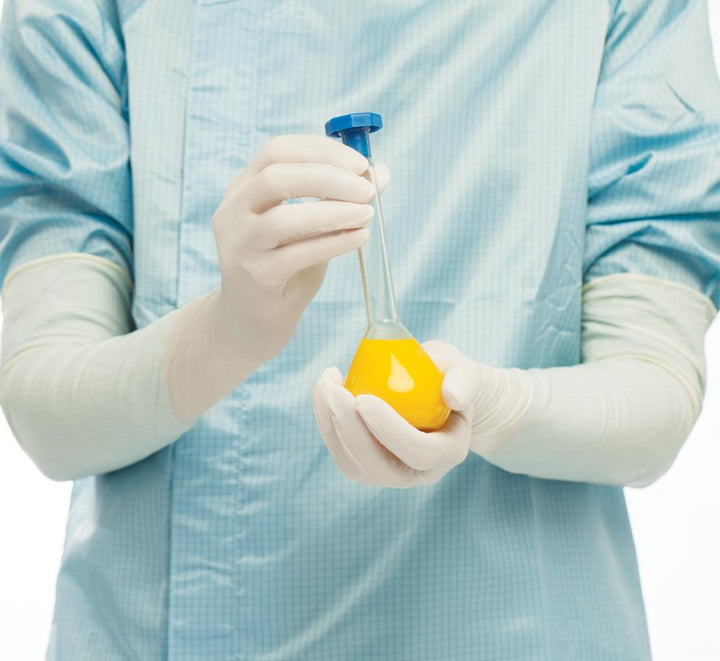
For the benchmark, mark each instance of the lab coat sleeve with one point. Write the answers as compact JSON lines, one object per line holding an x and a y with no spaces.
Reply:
{"x":654,"y":178}
{"x":651,"y":263}
{"x":81,"y":392}
{"x":64,"y":148}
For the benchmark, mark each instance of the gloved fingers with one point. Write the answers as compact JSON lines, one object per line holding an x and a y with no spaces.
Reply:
{"x":421,"y":451}
{"x":279,"y":265}
{"x":285,"y":223}
{"x":333,"y":374}
{"x":320,"y":398}
{"x":378,"y":464}
{"x":461,"y":385}
{"x":458,"y":427}
{"x":382,"y":176}
{"x":306,"y":148}
{"x":444,"y":355}
{"x":282,"y":181}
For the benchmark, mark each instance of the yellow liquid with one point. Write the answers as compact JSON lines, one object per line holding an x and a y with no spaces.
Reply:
{"x":402,"y":374}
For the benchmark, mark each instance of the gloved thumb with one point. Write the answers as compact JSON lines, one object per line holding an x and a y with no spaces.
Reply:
{"x":444,"y":355}
{"x":461,"y":385}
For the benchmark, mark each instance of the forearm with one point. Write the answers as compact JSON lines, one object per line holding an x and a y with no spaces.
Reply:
{"x":621,"y":416}
{"x":620,"y":421}
{"x":84,"y":393}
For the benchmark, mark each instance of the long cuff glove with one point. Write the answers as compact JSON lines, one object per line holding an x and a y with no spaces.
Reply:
{"x":85,"y":394}
{"x":80,"y":391}
{"x":620,"y":417}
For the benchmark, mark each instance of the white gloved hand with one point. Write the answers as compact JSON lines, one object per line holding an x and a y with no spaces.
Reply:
{"x":371,"y":443}
{"x":273,"y":258}
{"x":495,"y":399}
{"x":618,"y":418}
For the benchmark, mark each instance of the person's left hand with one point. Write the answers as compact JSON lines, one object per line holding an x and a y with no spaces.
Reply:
{"x":371,"y":443}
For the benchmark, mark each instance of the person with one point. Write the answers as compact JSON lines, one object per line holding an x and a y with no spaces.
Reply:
{"x":179,"y":297}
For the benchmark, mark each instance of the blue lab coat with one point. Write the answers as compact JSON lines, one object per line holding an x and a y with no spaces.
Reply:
{"x":533,"y":146}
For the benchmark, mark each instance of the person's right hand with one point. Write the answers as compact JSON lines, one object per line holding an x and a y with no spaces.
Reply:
{"x":273,"y":256}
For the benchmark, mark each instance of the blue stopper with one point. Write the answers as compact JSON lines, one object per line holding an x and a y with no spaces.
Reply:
{"x":354,"y":129}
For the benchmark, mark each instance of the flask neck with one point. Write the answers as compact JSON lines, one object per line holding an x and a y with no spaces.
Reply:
{"x":375,"y":267}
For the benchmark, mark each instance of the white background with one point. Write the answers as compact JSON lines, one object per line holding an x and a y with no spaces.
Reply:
{"x":676,"y":523}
